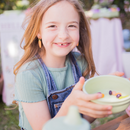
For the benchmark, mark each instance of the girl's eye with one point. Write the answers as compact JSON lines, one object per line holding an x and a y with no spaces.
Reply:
{"x":73,"y":26}
{"x":52,"y":26}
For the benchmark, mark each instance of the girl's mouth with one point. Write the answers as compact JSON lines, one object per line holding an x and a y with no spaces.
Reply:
{"x":62,"y":44}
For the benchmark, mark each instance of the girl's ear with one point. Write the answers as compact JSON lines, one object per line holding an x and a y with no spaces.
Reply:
{"x":39,"y":36}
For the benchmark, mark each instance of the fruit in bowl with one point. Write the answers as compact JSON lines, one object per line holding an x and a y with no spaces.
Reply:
{"x":115,"y":91}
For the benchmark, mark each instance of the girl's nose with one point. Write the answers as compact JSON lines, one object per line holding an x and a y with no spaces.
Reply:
{"x":63,"y":34}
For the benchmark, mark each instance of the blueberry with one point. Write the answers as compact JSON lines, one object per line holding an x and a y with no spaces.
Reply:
{"x":118,"y":95}
{"x":110,"y":92}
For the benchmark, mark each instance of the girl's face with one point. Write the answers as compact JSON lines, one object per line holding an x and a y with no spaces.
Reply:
{"x":60,"y":29}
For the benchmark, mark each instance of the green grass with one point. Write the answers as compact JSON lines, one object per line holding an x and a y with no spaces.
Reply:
{"x":9,"y":118}
{"x":101,"y":121}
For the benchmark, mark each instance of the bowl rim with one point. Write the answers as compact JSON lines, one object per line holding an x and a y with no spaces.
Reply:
{"x":112,"y":103}
{"x":127,"y":80}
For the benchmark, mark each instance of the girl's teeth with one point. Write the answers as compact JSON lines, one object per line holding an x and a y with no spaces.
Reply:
{"x":63,"y":44}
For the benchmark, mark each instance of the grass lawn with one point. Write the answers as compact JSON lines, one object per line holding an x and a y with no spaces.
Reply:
{"x":9,"y":118}
{"x":101,"y":121}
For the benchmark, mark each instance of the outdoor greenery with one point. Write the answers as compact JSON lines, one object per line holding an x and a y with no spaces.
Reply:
{"x":8,"y":118}
{"x":101,"y":121}
{"x":122,"y":4}
{"x":119,"y":3}
{"x":13,"y":4}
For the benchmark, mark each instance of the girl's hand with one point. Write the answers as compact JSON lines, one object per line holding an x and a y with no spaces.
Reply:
{"x":128,"y":110}
{"x":83,"y":101}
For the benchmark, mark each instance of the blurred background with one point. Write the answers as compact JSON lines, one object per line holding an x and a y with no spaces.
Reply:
{"x":110,"y":28}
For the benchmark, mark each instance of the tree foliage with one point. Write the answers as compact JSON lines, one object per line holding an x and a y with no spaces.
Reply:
{"x":87,"y":4}
{"x":10,"y":4}
{"x":121,"y":4}
{"x":7,"y":5}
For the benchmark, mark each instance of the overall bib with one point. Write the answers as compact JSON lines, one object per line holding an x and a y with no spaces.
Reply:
{"x":55,"y":97}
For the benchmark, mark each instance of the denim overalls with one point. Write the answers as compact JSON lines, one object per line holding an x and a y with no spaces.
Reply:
{"x":56,"y":97}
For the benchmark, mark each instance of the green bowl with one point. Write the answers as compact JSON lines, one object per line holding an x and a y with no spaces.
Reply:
{"x":106,"y":83}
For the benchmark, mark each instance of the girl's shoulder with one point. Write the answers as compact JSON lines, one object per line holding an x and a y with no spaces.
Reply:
{"x":32,"y":65}
{"x":30,"y":71}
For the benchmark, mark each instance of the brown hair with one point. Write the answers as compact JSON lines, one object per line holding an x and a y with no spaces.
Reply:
{"x":34,"y":18}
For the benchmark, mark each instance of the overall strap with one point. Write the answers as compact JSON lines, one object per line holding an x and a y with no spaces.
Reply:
{"x":50,"y":82}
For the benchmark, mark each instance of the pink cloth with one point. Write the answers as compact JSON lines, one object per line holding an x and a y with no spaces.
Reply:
{"x":107,"y":45}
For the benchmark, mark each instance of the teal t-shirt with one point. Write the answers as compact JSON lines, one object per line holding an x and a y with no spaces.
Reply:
{"x":31,"y":85}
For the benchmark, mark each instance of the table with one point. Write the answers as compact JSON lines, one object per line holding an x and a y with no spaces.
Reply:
{"x":107,"y":45}
{"x":120,"y":123}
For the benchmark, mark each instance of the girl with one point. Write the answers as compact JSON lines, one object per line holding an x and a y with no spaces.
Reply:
{"x":49,"y":70}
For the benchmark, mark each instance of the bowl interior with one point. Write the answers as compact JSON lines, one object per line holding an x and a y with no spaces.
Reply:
{"x":106,"y":83}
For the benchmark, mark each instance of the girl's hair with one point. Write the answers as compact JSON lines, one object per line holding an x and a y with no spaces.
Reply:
{"x":34,"y":18}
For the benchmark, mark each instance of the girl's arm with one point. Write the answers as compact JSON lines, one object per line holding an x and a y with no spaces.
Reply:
{"x":37,"y":114}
